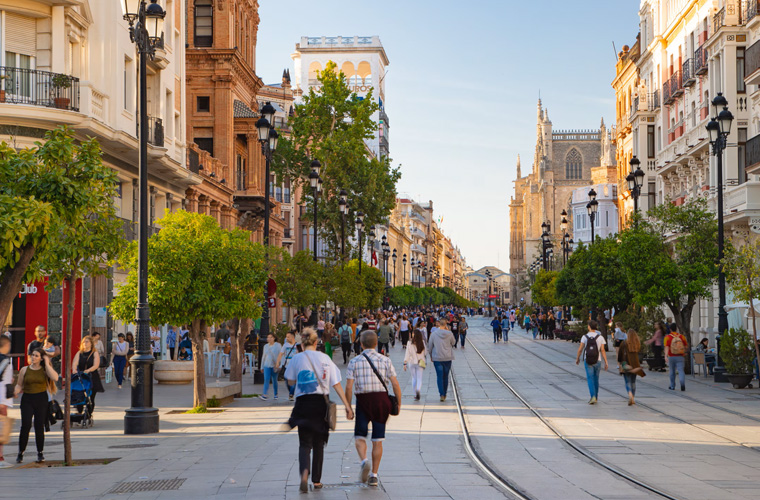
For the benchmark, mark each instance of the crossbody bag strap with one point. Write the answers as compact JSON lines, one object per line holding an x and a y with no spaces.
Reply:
{"x":287,"y":358}
{"x":376,"y":372}
{"x":319,"y":380}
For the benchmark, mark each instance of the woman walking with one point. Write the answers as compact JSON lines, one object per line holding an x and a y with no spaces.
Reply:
{"x":496,"y":325}
{"x":463,"y":326}
{"x":441,"y":345}
{"x":269,"y":358}
{"x":328,"y":336}
{"x":87,"y":361}
{"x":35,"y":381}
{"x":403,"y":328}
{"x":657,"y":343}
{"x":313,"y":373}
{"x":120,"y":351}
{"x":628,"y":360}
{"x":414,"y":359}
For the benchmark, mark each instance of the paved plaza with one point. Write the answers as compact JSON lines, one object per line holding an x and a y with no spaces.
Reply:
{"x":669,"y":440}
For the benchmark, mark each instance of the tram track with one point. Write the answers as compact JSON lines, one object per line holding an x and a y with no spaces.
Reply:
{"x":509,"y":485}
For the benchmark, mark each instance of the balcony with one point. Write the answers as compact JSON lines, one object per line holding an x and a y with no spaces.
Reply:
{"x":653,"y":100}
{"x":417,"y":216}
{"x":416,"y":232}
{"x":719,"y":20}
{"x":418,"y":249}
{"x":700,"y":61}
{"x":156,"y":131}
{"x":676,"y":85}
{"x":752,"y":8}
{"x":687,"y":70}
{"x":752,"y":155}
{"x":742,"y":198}
{"x":38,"y":88}
{"x":752,"y":64}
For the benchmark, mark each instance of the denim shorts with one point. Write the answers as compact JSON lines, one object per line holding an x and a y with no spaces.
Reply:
{"x":361,"y":427}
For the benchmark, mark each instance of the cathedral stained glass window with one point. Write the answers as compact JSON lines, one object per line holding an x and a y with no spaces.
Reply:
{"x":573,"y":165}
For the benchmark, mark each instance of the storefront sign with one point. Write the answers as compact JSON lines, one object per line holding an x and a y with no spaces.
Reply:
{"x":28,"y":289}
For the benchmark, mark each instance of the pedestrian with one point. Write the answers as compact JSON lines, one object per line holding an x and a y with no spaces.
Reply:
{"x":6,"y":387}
{"x":534,"y":325}
{"x":345,"y":334}
{"x":512,"y":318}
{"x":628,"y":360}
{"x":441,"y":346}
{"x":463,"y":326}
{"x":101,"y":351}
{"x":368,"y":376}
{"x":289,"y":349}
{"x":155,"y":342}
{"x":87,"y":361}
{"x":414,"y":360}
{"x":619,"y":336}
{"x":171,"y":341}
{"x":269,"y":358}
{"x":320,"y":326}
{"x":384,"y":332}
{"x":222,"y":334}
{"x":35,"y":382}
{"x":313,"y":373}
{"x":496,"y":326}
{"x":403,"y":328}
{"x":120,"y":349}
{"x":592,"y":347}
{"x":657,"y":343}
{"x":709,"y":357}
{"x":328,"y":336}
{"x":676,"y":347}
{"x":505,"y":328}
{"x":454,"y":328}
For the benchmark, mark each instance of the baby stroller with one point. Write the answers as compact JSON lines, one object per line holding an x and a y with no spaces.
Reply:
{"x":81,"y":400}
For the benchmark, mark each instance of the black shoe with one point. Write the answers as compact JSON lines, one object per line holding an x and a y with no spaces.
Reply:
{"x":40,"y":457}
{"x":672,"y":388}
{"x":20,"y":458}
{"x":683,"y":387}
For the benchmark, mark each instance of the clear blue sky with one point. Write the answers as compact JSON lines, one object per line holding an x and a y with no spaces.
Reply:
{"x":462,"y":87}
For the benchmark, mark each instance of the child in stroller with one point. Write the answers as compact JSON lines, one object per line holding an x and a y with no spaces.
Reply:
{"x":81,"y":399}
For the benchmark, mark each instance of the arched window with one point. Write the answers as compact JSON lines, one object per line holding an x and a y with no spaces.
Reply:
{"x":573,"y":165}
{"x":204,"y":23}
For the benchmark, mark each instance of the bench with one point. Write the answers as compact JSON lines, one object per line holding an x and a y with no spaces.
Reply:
{"x":224,"y":392}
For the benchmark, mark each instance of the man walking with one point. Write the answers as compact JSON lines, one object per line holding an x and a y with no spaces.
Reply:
{"x":675,"y":348}
{"x":171,"y":342}
{"x":592,"y":346}
{"x":368,"y":375}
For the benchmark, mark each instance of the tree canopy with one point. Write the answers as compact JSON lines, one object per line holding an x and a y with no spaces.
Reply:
{"x":544,"y":289}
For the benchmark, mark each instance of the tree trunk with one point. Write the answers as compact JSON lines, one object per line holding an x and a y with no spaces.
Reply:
{"x":66,"y":368}
{"x":754,"y":329}
{"x":199,"y":365}
{"x":10,"y":280}
{"x":236,"y":367}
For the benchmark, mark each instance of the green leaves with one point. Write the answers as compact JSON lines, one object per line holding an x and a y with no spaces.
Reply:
{"x":742,"y":268}
{"x":544,"y":288}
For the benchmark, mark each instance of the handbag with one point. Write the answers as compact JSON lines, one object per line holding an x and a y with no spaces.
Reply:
{"x":109,"y":374}
{"x":6,"y":426}
{"x":393,"y":398}
{"x":422,"y":363}
{"x":54,"y":413}
{"x":331,"y":415}
{"x":281,"y":373}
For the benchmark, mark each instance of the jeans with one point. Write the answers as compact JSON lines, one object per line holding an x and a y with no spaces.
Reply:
{"x":456,"y":339}
{"x":505,"y":333}
{"x":630,"y":382}
{"x":309,"y":440}
{"x":677,"y":363}
{"x":462,"y":337}
{"x":535,"y":332}
{"x":442,"y":369}
{"x":270,"y":375}
{"x":417,"y":372}
{"x":592,"y":377}
{"x":513,"y":324}
{"x":119,"y":362}
{"x":496,"y":336}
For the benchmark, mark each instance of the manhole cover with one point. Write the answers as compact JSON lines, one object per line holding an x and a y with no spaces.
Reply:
{"x":153,"y":485}
{"x":130,"y":446}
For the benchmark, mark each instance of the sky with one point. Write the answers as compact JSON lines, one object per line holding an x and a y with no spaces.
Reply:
{"x":462,"y":88}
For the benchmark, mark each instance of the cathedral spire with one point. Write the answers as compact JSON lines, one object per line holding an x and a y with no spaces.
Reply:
{"x":519,"y":173}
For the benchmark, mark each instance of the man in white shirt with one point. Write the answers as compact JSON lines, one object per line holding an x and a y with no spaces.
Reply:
{"x":591,"y":357}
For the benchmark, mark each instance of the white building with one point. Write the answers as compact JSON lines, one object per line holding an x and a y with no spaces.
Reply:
{"x":361,"y":58}
{"x":606,"y":220}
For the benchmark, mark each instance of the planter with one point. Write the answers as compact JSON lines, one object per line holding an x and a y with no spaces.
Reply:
{"x":61,"y":102}
{"x":740,"y":380}
{"x":2,"y":96}
{"x":173,"y":372}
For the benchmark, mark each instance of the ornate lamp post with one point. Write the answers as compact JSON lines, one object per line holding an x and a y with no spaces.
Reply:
{"x":146,"y":27}
{"x":719,"y":127}
{"x":314,"y":180}
{"x":268,"y":138}
{"x":343,"y":205}
{"x":371,"y":238}
{"x":394,"y":257}
{"x":591,"y":208}
{"x":403,"y":260}
{"x":359,"y":223}
{"x":635,"y":180}
{"x":546,"y":243}
{"x":488,"y":275}
{"x":385,"y":248}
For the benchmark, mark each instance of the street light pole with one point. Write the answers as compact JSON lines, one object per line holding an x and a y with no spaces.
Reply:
{"x":404,"y":262}
{"x":146,"y":25}
{"x":635,"y":179}
{"x":394,"y":257}
{"x":591,"y":208}
{"x":359,"y":227}
{"x":719,"y":128}
{"x":343,"y":204}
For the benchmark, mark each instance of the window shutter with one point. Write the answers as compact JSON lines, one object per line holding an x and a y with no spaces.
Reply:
{"x":20,"y":34}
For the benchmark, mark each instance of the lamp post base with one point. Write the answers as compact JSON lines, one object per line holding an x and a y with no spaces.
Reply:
{"x":719,"y":374}
{"x":141,"y":421}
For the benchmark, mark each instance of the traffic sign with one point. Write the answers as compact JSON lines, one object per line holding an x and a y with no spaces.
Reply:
{"x":272,"y":302}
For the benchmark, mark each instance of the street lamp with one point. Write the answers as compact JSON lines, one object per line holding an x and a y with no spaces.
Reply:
{"x":359,"y":223}
{"x":394,"y":257}
{"x":591,"y":207}
{"x":371,"y":238}
{"x":488,"y":275}
{"x":719,"y":127}
{"x":635,"y":180}
{"x":545,"y":243}
{"x":343,"y":205}
{"x":386,"y":250}
{"x":268,"y":138}
{"x":403,"y":260}
{"x":314,"y":180}
{"x":146,"y":26}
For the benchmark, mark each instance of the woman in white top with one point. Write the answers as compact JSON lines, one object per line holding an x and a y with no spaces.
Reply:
{"x":120,"y":350}
{"x":312,"y":373}
{"x":403,"y":327}
{"x":269,"y":363}
{"x":414,"y":360}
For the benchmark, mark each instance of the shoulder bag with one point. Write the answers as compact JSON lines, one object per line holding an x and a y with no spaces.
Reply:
{"x":393,"y":398}
{"x":281,"y":374}
{"x":331,"y":416}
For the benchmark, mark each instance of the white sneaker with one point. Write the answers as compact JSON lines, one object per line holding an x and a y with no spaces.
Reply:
{"x":5,"y":465}
{"x":364,"y":471}
{"x":263,"y":398}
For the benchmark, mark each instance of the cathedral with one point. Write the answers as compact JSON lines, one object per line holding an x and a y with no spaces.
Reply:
{"x":562,"y":162}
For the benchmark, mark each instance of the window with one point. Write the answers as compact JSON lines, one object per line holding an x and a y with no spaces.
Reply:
{"x":740,"y":86}
{"x":742,"y":147}
{"x":651,"y":195}
{"x":203,"y":104}
{"x":650,"y":141}
{"x":204,"y":23}
{"x":240,"y":174}
{"x":573,"y":165}
{"x":659,"y":138}
{"x":128,"y":83}
{"x":18,"y":77}
{"x":206,"y":144}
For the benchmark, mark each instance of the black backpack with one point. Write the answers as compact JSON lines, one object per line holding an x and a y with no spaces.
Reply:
{"x":592,"y":350}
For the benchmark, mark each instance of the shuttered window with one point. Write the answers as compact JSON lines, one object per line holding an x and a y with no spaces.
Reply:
{"x":20,"y":34}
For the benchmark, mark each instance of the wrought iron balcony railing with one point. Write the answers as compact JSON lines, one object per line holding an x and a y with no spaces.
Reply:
{"x":39,"y":88}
